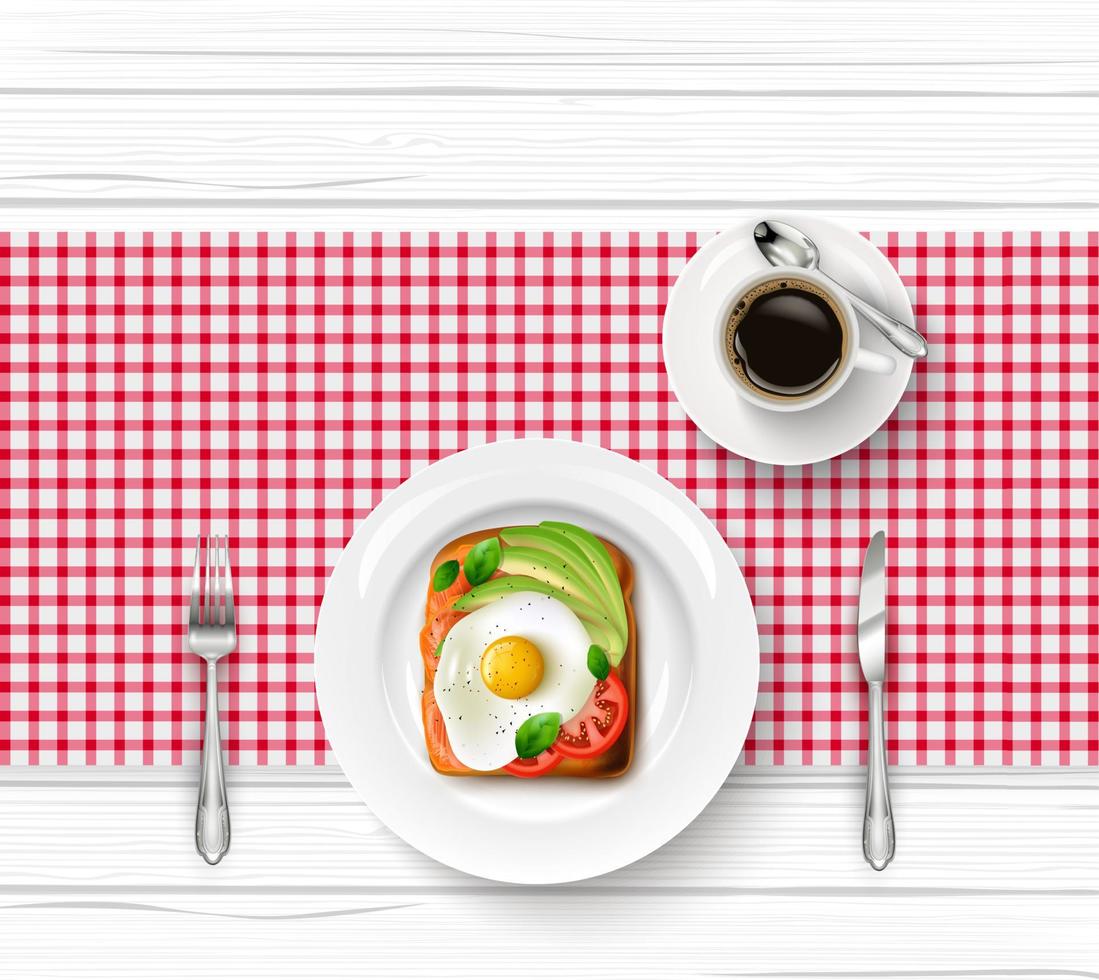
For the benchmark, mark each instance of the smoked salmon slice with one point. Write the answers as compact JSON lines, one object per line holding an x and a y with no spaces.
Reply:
{"x":439,"y":617}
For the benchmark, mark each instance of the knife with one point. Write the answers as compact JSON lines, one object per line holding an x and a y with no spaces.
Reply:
{"x":878,"y":838}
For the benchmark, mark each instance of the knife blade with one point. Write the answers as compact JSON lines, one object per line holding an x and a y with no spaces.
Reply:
{"x":878,"y":833}
{"x":872,"y":611}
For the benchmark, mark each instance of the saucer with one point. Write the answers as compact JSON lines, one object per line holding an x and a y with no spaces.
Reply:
{"x":850,"y":416}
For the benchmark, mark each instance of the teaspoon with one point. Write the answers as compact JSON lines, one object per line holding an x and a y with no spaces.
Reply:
{"x":783,"y":244}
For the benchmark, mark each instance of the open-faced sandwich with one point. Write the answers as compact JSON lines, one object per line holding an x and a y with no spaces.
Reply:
{"x":530,"y":654}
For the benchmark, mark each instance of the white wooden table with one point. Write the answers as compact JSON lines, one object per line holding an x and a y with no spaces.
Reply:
{"x":664,"y":114}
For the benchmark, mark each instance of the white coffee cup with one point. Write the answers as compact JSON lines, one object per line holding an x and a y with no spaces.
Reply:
{"x":854,"y":358}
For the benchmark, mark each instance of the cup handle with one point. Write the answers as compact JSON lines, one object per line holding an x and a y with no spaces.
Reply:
{"x":875,"y":363}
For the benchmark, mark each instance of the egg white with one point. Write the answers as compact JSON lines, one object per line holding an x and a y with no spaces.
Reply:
{"x":481,"y":725}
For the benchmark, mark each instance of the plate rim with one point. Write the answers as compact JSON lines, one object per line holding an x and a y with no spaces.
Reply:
{"x":749,"y":660}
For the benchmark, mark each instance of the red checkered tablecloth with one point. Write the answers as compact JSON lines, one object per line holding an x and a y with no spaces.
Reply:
{"x":277,"y":386}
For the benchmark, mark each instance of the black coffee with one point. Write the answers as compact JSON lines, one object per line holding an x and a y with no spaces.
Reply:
{"x":785,"y":338}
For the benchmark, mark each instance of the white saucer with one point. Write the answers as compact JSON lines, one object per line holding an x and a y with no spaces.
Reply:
{"x":781,"y":438}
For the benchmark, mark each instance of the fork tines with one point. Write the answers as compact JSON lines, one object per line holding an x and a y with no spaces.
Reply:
{"x":212,"y":587}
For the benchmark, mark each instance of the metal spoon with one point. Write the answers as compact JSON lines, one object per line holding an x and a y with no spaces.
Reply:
{"x":783,"y":244}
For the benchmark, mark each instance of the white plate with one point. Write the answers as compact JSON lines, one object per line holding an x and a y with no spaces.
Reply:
{"x":782,"y":438}
{"x":698,"y":654}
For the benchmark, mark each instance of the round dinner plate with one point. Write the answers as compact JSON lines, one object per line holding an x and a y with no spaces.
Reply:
{"x":698,"y":658}
{"x":851,"y":415}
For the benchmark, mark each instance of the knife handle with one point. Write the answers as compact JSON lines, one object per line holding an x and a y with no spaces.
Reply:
{"x":878,"y":838}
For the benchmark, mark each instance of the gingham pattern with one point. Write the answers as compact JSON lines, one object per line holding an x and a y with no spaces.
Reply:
{"x":277,"y":386}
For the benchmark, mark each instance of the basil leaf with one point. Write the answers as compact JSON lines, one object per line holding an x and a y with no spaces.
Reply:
{"x":598,"y":663}
{"x":482,"y":560}
{"x":445,"y":575}
{"x":537,"y":734}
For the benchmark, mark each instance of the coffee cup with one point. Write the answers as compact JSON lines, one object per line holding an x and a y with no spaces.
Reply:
{"x":788,"y":340}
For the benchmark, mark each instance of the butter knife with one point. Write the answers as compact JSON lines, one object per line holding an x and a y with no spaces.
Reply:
{"x":878,"y":838}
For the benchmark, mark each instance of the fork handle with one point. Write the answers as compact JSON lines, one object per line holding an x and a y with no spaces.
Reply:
{"x":212,"y":818}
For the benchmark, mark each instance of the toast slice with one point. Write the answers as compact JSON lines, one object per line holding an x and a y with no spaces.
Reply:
{"x":439,"y":616}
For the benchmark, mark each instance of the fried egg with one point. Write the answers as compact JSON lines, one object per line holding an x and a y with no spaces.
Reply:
{"x":520,"y":656}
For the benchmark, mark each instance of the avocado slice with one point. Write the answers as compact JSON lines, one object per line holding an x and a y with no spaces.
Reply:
{"x":497,"y":588}
{"x":558,"y":542}
{"x":601,"y":562}
{"x":563,"y":576}
{"x":593,"y":619}
{"x":561,"y":546}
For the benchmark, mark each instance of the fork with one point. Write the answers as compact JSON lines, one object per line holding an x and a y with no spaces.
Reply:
{"x":212,"y":634}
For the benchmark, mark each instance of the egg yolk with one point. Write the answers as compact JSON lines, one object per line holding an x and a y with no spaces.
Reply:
{"x":512,"y":667}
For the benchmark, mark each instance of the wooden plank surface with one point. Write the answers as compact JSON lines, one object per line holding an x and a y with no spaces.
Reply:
{"x":789,"y":827}
{"x":431,"y":113}
{"x":996,"y":871}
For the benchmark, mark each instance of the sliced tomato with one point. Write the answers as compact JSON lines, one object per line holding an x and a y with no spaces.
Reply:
{"x":538,"y":766}
{"x":597,"y":725}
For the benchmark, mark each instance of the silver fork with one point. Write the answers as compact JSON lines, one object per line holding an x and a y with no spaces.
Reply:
{"x":212,"y":634}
